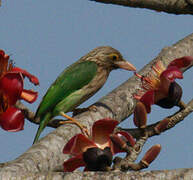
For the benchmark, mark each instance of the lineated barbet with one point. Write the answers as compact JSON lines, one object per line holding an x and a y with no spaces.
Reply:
{"x":78,"y":82}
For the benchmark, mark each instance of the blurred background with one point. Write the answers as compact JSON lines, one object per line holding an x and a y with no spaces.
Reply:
{"x":46,"y":36}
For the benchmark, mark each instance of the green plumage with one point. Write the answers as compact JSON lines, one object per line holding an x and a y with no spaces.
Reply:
{"x":78,"y":82}
{"x":65,"y":93}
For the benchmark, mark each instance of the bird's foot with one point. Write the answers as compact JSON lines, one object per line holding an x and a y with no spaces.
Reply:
{"x":93,"y":108}
{"x":74,"y":121}
{"x":81,"y":110}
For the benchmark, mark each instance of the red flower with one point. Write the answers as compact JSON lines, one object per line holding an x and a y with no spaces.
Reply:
{"x":94,"y":152}
{"x":11,"y":90}
{"x":160,"y":84}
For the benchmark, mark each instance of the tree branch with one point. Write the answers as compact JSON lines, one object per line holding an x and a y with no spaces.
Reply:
{"x":173,"y":120}
{"x":29,"y":115}
{"x":142,"y":136}
{"x":150,"y":175}
{"x":47,"y":154}
{"x":168,"y":6}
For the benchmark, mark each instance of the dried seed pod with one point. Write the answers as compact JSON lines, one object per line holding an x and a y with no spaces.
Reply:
{"x":140,"y":115}
{"x":151,"y":155}
{"x":97,"y":159}
{"x":173,"y":98}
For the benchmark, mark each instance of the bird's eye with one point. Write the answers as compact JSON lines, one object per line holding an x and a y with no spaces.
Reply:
{"x":114,"y":57}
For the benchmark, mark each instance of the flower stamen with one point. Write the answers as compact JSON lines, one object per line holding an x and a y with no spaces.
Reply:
{"x":6,"y":64}
{"x":3,"y":103}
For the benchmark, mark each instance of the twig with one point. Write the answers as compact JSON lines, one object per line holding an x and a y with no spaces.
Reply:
{"x":128,"y":162}
{"x":143,"y":134}
{"x":174,"y":119}
{"x":29,"y":115}
{"x":168,"y":6}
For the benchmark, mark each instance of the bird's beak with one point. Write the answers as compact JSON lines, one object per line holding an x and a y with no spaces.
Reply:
{"x":125,"y":65}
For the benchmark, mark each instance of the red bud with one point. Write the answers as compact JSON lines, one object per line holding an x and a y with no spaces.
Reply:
{"x":151,"y":154}
{"x":118,"y":141}
{"x":140,"y":115}
{"x":127,"y":137}
{"x":162,"y":125}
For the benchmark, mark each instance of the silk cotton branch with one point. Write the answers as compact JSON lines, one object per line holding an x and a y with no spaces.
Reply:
{"x":47,"y":155}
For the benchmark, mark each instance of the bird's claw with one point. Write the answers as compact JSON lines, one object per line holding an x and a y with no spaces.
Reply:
{"x":83,"y":128}
{"x":85,"y":131}
{"x":93,"y":108}
{"x":74,"y":121}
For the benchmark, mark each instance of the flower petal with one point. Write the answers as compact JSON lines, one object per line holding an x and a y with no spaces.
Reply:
{"x":171,"y":73}
{"x":148,"y":99}
{"x":101,"y":130}
{"x":127,"y":137}
{"x":29,"y":95}
{"x":11,"y":84}
{"x":31,"y":77}
{"x":78,"y":144}
{"x":181,"y":62}
{"x":2,"y":53}
{"x":12,"y":120}
{"x":73,"y":163}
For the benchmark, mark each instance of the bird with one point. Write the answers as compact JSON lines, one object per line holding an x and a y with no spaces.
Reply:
{"x":77,"y":83}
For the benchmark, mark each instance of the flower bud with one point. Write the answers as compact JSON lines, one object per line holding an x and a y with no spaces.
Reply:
{"x":119,"y":142}
{"x":140,"y":115}
{"x":162,"y":125}
{"x":151,"y":155}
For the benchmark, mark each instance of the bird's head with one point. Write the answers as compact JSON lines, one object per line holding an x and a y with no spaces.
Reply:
{"x":109,"y":58}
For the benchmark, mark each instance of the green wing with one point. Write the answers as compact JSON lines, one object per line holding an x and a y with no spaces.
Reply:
{"x":70,"y":80}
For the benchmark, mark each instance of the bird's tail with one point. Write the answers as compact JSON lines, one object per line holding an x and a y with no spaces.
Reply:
{"x":43,"y":122}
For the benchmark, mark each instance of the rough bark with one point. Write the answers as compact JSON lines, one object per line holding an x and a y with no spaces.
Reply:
{"x":47,"y":154}
{"x":168,"y":6}
{"x":146,"y":175}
